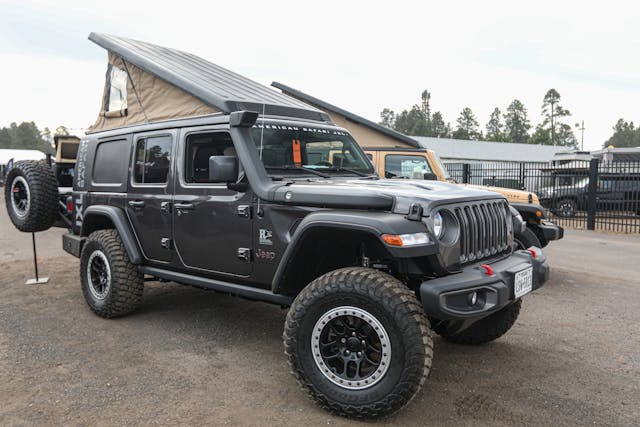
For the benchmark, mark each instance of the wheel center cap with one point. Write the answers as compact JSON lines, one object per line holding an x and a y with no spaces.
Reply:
{"x":354,"y":344}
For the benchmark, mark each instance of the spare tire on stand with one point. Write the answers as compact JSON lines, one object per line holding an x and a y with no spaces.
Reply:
{"x":31,"y":196}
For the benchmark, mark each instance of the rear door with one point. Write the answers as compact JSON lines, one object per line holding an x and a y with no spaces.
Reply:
{"x":150,"y":193}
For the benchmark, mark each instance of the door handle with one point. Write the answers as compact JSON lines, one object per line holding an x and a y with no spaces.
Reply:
{"x":183,"y":207}
{"x":136,"y":204}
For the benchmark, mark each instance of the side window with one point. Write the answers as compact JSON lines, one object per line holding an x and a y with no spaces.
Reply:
{"x":152,"y":161}
{"x":109,"y":166}
{"x":405,"y":166}
{"x":116,"y":100}
{"x":199,"y":147}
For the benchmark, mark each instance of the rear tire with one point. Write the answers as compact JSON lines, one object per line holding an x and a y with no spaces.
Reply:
{"x":31,"y":196}
{"x":483,"y":331}
{"x":111,"y":285}
{"x":358,"y":342}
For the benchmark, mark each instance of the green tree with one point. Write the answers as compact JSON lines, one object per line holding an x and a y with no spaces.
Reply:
{"x":625,"y":134}
{"x":516,"y":123}
{"x":495,"y":128}
{"x":26,"y":135}
{"x":552,"y":114}
{"x":388,"y":118}
{"x":439,"y":128}
{"x":467,"y":127}
{"x":541,"y":136}
{"x":412,"y":122}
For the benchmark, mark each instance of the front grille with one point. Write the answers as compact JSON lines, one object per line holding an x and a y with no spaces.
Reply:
{"x":484,"y":229}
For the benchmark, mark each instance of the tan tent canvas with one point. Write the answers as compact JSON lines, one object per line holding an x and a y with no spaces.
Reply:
{"x":141,"y":97}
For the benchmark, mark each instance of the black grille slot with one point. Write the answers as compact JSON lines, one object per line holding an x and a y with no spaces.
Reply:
{"x":483,"y":230}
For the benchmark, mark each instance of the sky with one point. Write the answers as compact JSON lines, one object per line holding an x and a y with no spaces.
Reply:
{"x":362,"y":56}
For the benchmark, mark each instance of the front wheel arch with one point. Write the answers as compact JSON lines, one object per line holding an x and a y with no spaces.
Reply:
{"x":321,"y":249}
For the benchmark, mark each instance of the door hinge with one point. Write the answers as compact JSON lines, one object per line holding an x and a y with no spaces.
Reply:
{"x":244,"y":211}
{"x":165,"y":242}
{"x":244,"y":254}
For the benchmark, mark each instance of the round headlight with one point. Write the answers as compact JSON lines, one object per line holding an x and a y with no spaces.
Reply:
{"x":438,"y":225}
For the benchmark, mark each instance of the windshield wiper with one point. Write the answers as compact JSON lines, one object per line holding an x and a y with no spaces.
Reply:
{"x":354,"y":171}
{"x":313,"y":171}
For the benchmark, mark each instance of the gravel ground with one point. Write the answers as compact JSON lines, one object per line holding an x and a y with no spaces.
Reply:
{"x":196,"y":357}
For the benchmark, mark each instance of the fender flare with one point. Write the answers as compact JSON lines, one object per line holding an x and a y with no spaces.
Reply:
{"x":372,"y":223}
{"x":120,"y":222}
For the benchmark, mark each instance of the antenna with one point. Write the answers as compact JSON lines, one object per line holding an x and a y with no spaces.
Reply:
{"x":262,"y":130}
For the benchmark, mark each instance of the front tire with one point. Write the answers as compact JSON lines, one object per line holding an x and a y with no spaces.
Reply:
{"x":359,"y":342}
{"x":526,"y":239}
{"x":111,"y":285}
{"x":483,"y":331}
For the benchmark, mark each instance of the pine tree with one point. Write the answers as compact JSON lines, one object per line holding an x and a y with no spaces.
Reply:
{"x":516,"y":122}
{"x":495,"y":128}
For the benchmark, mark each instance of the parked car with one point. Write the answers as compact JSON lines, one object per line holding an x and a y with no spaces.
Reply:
{"x":612,"y":193}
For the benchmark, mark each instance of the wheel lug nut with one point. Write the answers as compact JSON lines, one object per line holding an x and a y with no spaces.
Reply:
{"x":353,"y":334}
{"x":359,"y":353}
{"x":347,"y":352}
{"x":364,"y":342}
{"x":343,"y":340}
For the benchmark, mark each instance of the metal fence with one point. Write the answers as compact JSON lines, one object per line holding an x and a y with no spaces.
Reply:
{"x":593,"y":195}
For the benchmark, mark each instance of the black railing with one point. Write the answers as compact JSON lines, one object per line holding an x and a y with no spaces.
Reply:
{"x":593,"y":194}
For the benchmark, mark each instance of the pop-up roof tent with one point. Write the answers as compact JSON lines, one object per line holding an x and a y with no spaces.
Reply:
{"x":147,"y":83}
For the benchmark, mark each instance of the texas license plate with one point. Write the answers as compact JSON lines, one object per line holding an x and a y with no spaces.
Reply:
{"x":523,"y":282}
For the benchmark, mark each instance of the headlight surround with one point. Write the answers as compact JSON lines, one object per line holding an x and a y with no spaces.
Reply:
{"x":445,"y":226}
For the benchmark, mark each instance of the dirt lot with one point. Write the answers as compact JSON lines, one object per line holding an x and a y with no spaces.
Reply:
{"x":195,"y":357}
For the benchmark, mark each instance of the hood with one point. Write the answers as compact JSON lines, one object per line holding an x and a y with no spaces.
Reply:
{"x":384,"y":194}
{"x":513,"y":196}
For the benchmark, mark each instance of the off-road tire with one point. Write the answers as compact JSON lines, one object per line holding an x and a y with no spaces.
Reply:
{"x":399,"y":313}
{"x":526,"y":239}
{"x":126,"y":284}
{"x":483,"y":331}
{"x":41,"y":193}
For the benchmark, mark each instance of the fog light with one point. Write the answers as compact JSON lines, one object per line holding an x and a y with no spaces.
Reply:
{"x":473,"y":298}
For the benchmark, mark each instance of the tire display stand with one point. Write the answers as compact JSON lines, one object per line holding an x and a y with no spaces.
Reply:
{"x":37,"y":280}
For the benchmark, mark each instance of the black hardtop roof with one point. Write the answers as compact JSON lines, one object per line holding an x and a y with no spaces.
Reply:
{"x":206,"y":120}
{"x":215,"y":86}
{"x":350,"y":116}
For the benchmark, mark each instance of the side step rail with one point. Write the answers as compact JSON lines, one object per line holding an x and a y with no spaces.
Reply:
{"x":218,"y":285}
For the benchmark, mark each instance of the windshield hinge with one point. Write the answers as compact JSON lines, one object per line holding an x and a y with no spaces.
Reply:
{"x":415,"y":212}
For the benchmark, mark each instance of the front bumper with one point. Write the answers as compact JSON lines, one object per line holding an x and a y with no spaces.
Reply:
{"x":550,"y":230}
{"x":449,"y":298}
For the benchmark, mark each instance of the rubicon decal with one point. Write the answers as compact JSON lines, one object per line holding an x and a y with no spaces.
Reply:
{"x":264,"y":237}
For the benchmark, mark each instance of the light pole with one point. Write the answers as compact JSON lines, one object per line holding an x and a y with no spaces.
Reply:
{"x":553,"y":127}
{"x":580,"y":127}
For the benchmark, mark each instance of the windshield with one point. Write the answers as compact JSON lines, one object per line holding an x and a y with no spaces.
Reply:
{"x":302,"y":150}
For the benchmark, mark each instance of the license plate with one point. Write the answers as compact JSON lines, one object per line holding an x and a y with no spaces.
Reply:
{"x":523,"y":282}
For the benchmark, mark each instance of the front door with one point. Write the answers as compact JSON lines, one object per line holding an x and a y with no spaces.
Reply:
{"x":212,"y":224}
{"x":149,"y":195}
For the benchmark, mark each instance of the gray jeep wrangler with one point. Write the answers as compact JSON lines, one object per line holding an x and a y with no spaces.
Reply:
{"x":289,"y":210}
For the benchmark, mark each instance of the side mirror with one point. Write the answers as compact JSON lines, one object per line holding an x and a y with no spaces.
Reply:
{"x":430,"y":176}
{"x":223,"y":168}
